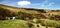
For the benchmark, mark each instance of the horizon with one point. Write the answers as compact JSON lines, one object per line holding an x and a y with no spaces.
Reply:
{"x":32,"y":8}
{"x":38,"y":4}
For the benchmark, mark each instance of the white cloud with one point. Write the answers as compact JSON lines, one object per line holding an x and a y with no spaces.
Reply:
{"x":22,"y":3}
{"x":51,"y":4}
{"x":47,"y":3}
{"x":44,"y":4}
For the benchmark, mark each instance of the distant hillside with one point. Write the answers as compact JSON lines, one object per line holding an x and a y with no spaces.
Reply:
{"x":8,"y":11}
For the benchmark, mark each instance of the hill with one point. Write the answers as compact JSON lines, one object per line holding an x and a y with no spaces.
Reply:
{"x":29,"y":17}
{"x":10,"y":11}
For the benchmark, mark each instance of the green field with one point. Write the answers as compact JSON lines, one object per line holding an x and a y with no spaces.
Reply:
{"x":12,"y":24}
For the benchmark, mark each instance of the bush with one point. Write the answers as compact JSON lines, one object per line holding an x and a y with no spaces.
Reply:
{"x":52,"y":23}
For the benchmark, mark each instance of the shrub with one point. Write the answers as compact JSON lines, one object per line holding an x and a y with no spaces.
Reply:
{"x":52,"y":23}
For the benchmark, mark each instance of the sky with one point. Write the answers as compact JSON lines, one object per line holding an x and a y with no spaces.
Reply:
{"x":40,"y":4}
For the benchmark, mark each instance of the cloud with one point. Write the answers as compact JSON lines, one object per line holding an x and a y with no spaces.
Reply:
{"x":48,"y":3}
{"x":22,"y":3}
{"x":51,"y":4}
{"x":43,"y":4}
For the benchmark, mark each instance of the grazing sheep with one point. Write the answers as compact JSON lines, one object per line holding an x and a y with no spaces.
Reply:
{"x":8,"y":18}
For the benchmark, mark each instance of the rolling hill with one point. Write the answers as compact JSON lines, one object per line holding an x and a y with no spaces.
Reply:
{"x":31,"y":17}
{"x":9,"y":11}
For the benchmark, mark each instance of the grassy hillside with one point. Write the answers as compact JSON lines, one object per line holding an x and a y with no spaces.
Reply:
{"x":14,"y":11}
{"x":13,"y":24}
{"x":28,"y":16}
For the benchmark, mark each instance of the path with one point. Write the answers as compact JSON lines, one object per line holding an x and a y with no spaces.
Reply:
{"x":34,"y":25}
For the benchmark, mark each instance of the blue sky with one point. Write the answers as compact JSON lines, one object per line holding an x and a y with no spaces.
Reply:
{"x":41,"y":4}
